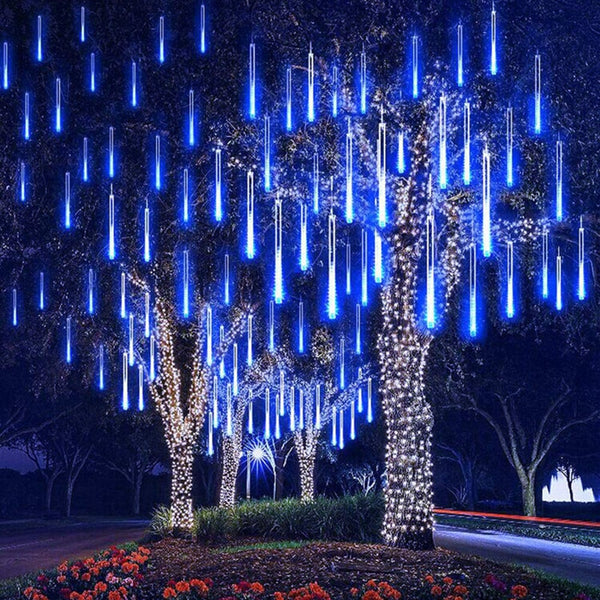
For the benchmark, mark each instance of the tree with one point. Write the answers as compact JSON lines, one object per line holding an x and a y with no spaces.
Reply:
{"x":132,"y":446}
{"x":322,"y":402}
{"x":530,"y":400}
{"x":566,"y":469}
{"x":41,"y":453}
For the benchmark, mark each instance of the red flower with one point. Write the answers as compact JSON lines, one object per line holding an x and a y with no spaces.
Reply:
{"x":436,"y":590}
{"x":518,"y":591}
{"x":183,"y":587}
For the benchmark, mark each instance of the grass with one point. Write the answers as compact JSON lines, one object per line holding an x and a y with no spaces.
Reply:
{"x":583,"y":537}
{"x":13,"y":588}
{"x":570,"y":587}
{"x":284,"y":545}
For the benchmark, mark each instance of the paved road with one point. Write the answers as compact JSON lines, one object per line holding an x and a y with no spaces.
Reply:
{"x":570,"y":561}
{"x":45,"y":547}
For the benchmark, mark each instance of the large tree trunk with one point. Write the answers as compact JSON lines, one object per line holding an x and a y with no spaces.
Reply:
{"x":528,"y":493}
{"x":182,"y":461}
{"x":408,"y":519}
{"x":408,"y":507}
{"x":231,"y":447}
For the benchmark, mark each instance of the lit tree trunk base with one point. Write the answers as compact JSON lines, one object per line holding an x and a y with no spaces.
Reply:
{"x":182,"y":514}
{"x":307,"y":476}
{"x":305,"y":443}
{"x":408,"y":519}
{"x":231,"y":449}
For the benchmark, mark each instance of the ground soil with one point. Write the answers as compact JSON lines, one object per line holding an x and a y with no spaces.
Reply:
{"x":335,"y":566}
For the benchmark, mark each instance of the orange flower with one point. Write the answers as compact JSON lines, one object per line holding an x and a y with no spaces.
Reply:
{"x":86,"y":577}
{"x":183,"y":587}
{"x":114,"y":595}
{"x":461,"y":590}
{"x":371,"y":583}
{"x":278,"y":596}
{"x":518,"y":591}
{"x":169,"y":592}
{"x":371,"y":595}
{"x":100,"y":587}
{"x":447,"y":580}
{"x":256,"y":588}
{"x":428,"y":579}
{"x":436,"y":590}
{"x":354,"y":591}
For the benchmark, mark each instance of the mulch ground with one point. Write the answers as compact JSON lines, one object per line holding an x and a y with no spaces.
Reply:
{"x":335,"y":566}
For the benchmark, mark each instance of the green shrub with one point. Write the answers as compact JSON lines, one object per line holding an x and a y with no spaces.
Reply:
{"x":160,"y":524}
{"x":349,"y":518}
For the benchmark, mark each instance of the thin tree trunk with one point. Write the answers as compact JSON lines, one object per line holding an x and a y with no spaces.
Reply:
{"x":182,"y":462}
{"x":570,"y":485}
{"x":69,"y":498}
{"x":137,"y":492}
{"x":279,"y":477}
{"x":49,"y":489}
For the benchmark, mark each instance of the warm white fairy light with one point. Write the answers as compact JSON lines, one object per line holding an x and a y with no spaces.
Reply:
{"x":183,"y":411}
{"x":403,"y":351}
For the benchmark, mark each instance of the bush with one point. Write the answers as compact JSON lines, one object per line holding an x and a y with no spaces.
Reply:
{"x":160,"y":524}
{"x":349,"y":518}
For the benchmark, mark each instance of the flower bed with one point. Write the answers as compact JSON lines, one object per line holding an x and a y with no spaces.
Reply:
{"x":119,"y":574}
{"x":113,"y":575}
